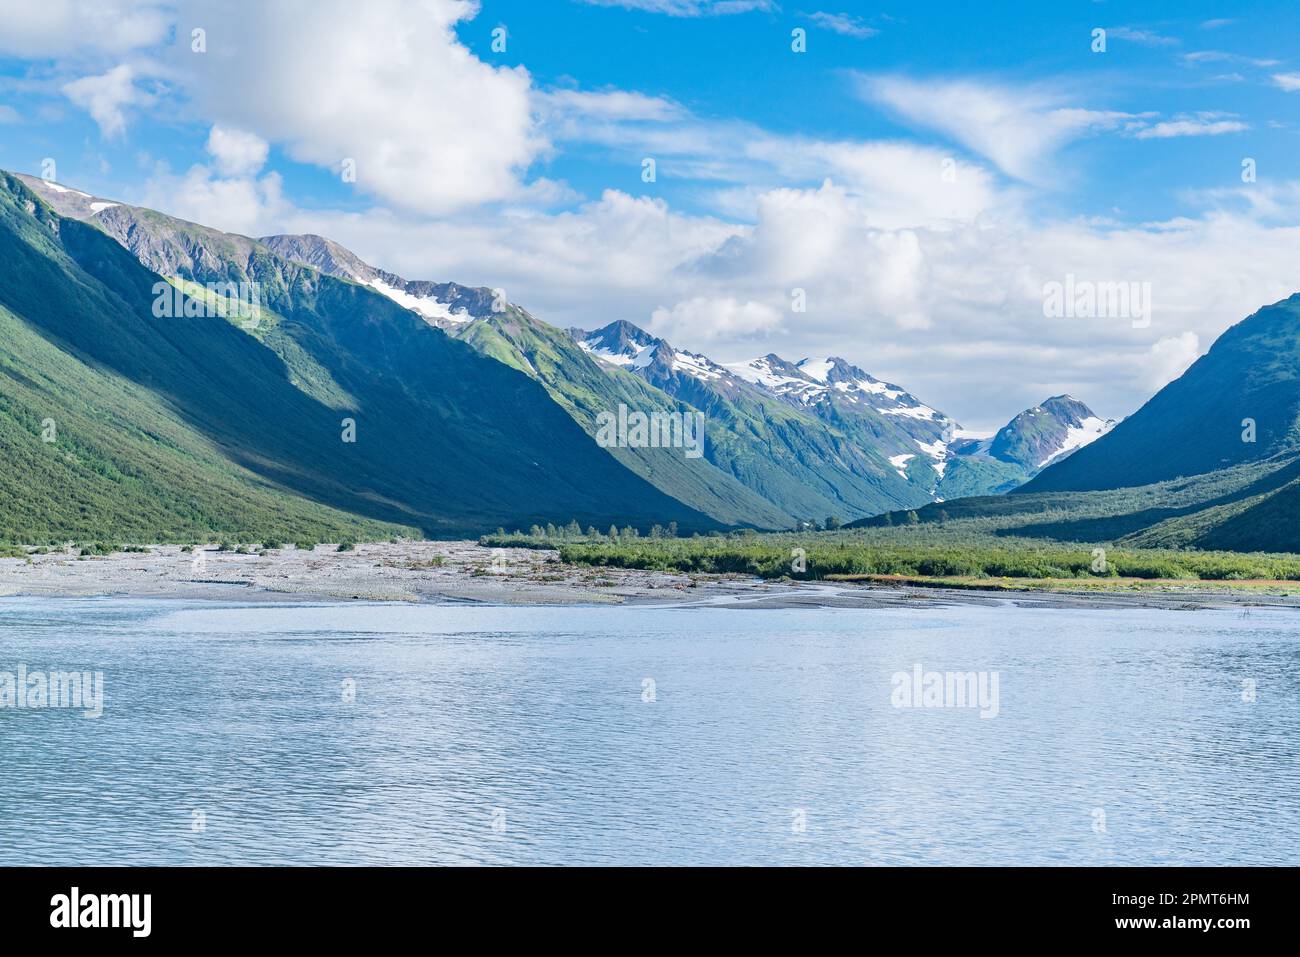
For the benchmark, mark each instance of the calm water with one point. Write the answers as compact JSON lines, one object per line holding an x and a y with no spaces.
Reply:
{"x":497,"y":735}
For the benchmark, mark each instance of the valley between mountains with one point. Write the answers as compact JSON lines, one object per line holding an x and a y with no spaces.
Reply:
{"x":357,"y":404}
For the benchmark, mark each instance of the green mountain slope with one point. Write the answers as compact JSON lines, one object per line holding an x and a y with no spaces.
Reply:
{"x":580,"y":385}
{"x":765,"y":463}
{"x":815,"y":458}
{"x":1181,"y":472}
{"x":446,"y":441}
{"x":1245,"y":507}
{"x":585,"y":390}
{"x":1194,"y":425}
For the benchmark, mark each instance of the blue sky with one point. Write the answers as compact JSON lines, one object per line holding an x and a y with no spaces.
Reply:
{"x":821,"y":170}
{"x":1164,"y":57}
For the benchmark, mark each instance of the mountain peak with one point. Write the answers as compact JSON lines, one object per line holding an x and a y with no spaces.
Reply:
{"x":621,"y":343}
{"x":322,"y":254}
{"x":442,"y":304}
{"x":1198,"y":423}
{"x":1047,"y":433}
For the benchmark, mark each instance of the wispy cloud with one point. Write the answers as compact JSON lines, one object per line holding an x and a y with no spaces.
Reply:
{"x":689,"y":8}
{"x":844,"y":23}
{"x":1017,"y":128}
{"x":1147,"y":38}
{"x":1290,"y":82}
{"x":1220,"y":56}
{"x":1199,"y":124}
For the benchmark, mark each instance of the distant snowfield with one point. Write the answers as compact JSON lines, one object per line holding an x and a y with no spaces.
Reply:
{"x":1088,"y":431}
{"x":696,"y":365}
{"x":899,"y":462}
{"x":643,"y":356}
{"x":428,"y":307}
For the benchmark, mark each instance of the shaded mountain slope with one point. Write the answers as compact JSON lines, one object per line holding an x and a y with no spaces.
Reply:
{"x":1195,"y":425}
{"x":446,"y":440}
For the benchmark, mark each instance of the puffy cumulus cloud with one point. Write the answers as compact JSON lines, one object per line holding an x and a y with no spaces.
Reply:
{"x":894,"y":184}
{"x":386,"y":84}
{"x":706,"y":319}
{"x":1016,"y":128}
{"x":62,"y":28}
{"x":236,"y":204}
{"x":1169,"y":357}
{"x":236,"y":153}
{"x":106,"y":96}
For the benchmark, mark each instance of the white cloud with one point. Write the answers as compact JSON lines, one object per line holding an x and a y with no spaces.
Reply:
{"x":1219,"y":56}
{"x":948,"y":311}
{"x":387,"y":84}
{"x":898,"y":183}
{"x":235,"y":204}
{"x":706,"y":319}
{"x":688,"y":8}
{"x":1147,"y":38}
{"x":58,"y":28}
{"x":237,"y":153}
{"x":105,"y":97}
{"x":1169,"y":358}
{"x":845,"y":24}
{"x":1200,"y":124}
{"x":578,"y":106}
{"x":1018,"y":129}
{"x":1290,"y":82}
{"x":8,"y":114}
{"x":925,"y":278}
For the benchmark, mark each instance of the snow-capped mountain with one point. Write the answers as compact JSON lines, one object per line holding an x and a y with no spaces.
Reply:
{"x":1038,"y":437}
{"x":810,"y":381}
{"x":444,"y":304}
{"x":910,"y":437}
{"x":847,"y":444}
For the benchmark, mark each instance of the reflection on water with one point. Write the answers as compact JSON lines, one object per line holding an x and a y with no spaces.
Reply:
{"x":359,"y":734}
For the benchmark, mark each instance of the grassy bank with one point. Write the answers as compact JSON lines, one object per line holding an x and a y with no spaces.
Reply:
{"x":848,"y":554}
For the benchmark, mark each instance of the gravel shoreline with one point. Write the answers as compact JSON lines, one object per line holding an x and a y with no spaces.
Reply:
{"x":464,"y":571}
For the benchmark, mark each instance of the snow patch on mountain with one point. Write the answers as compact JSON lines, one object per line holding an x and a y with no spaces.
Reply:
{"x":914,"y":412}
{"x":938,"y":451}
{"x":818,"y":369}
{"x":697,"y":365}
{"x":761,"y":372}
{"x":1076,"y":437}
{"x":428,"y":307}
{"x":634,"y":357}
{"x":899,"y":462}
{"x":64,"y":189}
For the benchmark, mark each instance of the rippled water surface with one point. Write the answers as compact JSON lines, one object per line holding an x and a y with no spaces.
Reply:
{"x":496,"y":735}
